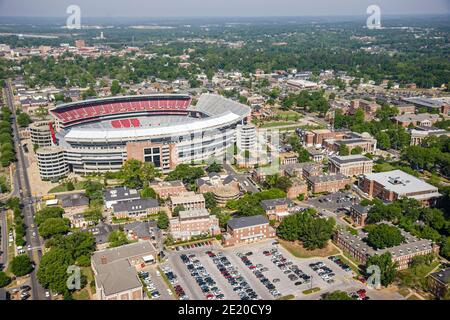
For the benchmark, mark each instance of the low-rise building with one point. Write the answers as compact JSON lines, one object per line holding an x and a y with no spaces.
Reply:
{"x":224,"y":187}
{"x":139,"y":230}
{"x":247,"y":230}
{"x":119,"y":194}
{"x":165,"y":189}
{"x":328,"y":183}
{"x":298,"y":187}
{"x":397,"y":184}
{"x":419,"y":133}
{"x":421,"y":119}
{"x":288,"y":158}
{"x":135,"y":209}
{"x":188,"y":200}
{"x":277,"y":209}
{"x":115,"y":270}
{"x":439,"y":282}
{"x":191,"y":223}
{"x":357,"y":247}
{"x":351,"y":165}
{"x":315,"y":155}
{"x":358,"y":213}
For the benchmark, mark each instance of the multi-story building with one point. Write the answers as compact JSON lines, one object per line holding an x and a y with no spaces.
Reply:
{"x":288,"y":158}
{"x":439,"y":282}
{"x":352,"y":140}
{"x":328,"y":183}
{"x":397,"y":184}
{"x":115,"y":270}
{"x":188,"y":200}
{"x":421,"y":119}
{"x":51,"y":163}
{"x":419,"y":133}
{"x":277,"y":209}
{"x":247,"y":230}
{"x":191,"y":223}
{"x":356,"y":246}
{"x":298,"y":187}
{"x":41,"y":133}
{"x":358,"y":213}
{"x":352,"y":165}
{"x":119,"y":194}
{"x":369,"y":107}
{"x":223,"y":187}
{"x":165,"y":189}
{"x":134,"y":209}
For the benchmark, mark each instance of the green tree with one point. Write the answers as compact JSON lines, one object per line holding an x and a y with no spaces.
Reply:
{"x":23,"y":119}
{"x":186,"y":173}
{"x":357,"y":150}
{"x":115,"y":87}
{"x":53,"y":226}
{"x":383,"y":140}
{"x":148,"y":192}
{"x":210,"y":200}
{"x":117,"y":238}
{"x":4,"y":279}
{"x":214,"y":167}
{"x":137,"y":174}
{"x":177,"y":209}
{"x":337,"y":295}
{"x":388,"y":268}
{"x":343,"y":150}
{"x":163,"y":220}
{"x":48,"y":212}
{"x":21,"y":265}
{"x":52,"y":273}
{"x":384,"y":236}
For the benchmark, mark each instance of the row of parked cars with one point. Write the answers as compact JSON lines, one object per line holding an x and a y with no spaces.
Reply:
{"x":233,"y":276}
{"x":193,"y":245}
{"x":323,"y":271}
{"x":258,"y":271}
{"x":292,"y":271}
{"x":173,"y":279}
{"x":151,"y":288}
{"x":340,"y":263}
{"x":206,"y":283}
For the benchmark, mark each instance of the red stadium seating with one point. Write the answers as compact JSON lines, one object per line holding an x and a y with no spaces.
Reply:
{"x":78,"y":114}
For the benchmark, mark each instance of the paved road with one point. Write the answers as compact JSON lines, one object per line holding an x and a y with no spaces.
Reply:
{"x":24,"y":190}
{"x":244,"y":180}
{"x":3,"y":239}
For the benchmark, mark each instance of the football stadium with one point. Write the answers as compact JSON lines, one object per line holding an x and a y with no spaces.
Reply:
{"x":98,"y":135}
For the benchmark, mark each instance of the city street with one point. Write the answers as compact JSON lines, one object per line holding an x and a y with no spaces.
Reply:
{"x":22,"y":189}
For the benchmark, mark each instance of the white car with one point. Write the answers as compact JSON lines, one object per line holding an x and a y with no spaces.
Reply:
{"x":47,"y":294}
{"x":169,"y":292}
{"x":158,"y":273}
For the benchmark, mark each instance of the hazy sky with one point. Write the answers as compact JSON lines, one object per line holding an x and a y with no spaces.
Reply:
{"x":200,"y":8}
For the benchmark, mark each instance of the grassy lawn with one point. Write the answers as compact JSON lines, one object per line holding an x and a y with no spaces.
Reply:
{"x":288,"y":297}
{"x":62,"y":188}
{"x":287,"y":115}
{"x":296,"y":249}
{"x":312,"y":290}
{"x":404,"y":291}
{"x":11,"y":245}
{"x":276,"y":124}
{"x":83,"y":294}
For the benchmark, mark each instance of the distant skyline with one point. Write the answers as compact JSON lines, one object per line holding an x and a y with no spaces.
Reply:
{"x":218,"y":8}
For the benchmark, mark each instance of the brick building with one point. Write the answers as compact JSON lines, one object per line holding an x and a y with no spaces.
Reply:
{"x":189,"y":200}
{"x":193,"y":223}
{"x":352,"y":165}
{"x":395,"y":184}
{"x":328,"y":183}
{"x":136,"y":209}
{"x":439,"y":282}
{"x":165,"y":189}
{"x":247,"y":230}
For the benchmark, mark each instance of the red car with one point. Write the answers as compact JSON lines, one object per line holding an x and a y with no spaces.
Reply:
{"x":252,"y":267}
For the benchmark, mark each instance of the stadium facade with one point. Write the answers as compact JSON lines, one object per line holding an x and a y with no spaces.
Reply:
{"x":99,"y":135}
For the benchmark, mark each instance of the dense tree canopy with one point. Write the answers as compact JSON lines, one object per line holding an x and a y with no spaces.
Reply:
{"x":384,"y":236}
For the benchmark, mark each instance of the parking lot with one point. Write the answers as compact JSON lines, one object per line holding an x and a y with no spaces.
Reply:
{"x":334,"y":201}
{"x":155,"y":284}
{"x":256,"y":271}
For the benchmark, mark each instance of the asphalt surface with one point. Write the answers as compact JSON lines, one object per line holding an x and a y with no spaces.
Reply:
{"x":23,"y":190}
{"x":244,"y":180}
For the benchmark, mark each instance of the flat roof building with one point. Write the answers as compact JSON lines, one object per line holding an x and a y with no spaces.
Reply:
{"x":351,"y":165}
{"x":396,"y":184}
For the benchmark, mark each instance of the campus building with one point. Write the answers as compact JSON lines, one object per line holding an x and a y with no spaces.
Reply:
{"x":328,"y":183}
{"x":439,"y":282}
{"x":165,"y":189}
{"x":51,"y":163}
{"x":115,"y":270}
{"x":247,"y":230}
{"x":352,"y":165}
{"x":41,"y":133}
{"x":191,"y":223}
{"x":397,"y":184}
{"x":188,"y":200}
{"x":277,"y":209}
{"x":135,"y":209}
{"x":357,"y":248}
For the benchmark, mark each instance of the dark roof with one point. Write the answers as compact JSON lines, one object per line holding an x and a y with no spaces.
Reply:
{"x":349,"y":159}
{"x":101,"y":232}
{"x":244,"y":222}
{"x":74,"y":200}
{"x":328,"y":177}
{"x":271,"y":203}
{"x":360,"y":208}
{"x":135,"y":205}
{"x":140,"y":228}
{"x":442,"y":276}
